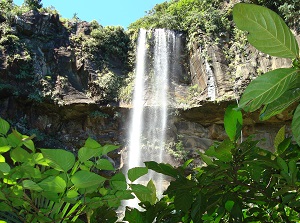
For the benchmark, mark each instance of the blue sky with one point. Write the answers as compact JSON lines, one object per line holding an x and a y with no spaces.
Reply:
{"x":106,"y":12}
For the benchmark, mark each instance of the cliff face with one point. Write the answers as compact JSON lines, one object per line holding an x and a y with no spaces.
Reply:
{"x":45,"y":60}
{"x":59,"y":83}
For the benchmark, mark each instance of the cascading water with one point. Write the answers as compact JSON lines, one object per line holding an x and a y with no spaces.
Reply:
{"x":149,"y":116}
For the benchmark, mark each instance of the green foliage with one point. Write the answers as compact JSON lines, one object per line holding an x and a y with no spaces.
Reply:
{"x":240,"y":183}
{"x":34,"y":4}
{"x":52,"y":185}
{"x":267,"y":31}
{"x":233,"y":121}
{"x":277,"y":89}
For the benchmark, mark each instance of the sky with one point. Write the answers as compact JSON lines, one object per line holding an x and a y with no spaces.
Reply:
{"x":106,"y":12}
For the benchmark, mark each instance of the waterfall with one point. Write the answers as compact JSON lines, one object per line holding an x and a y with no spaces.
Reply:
{"x":149,"y":114}
{"x":211,"y":86}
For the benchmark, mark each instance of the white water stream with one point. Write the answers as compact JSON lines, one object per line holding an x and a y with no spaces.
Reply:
{"x":149,"y":115}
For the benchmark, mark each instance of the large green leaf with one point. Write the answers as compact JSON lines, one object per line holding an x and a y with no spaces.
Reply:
{"x":142,"y":192}
{"x":233,"y":121}
{"x":60,"y":159}
{"x":296,"y":125}
{"x":108,"y":148}
{"x":280,"y":104}
{"x":85,"y":179}
{"x":118,"y":182}
{"x":86,"y":153}
{"x":54,"y":184}
{"x":104,"y":164}
{"x":29,"y":184}
{"x":4,"y":126}
{"x":163,"y":168}
{"x":19,"y":155}
{"x":136,"y":172}
{"x":280,"y":136}
{"x":4,"y":168}
{"x":91,"y":143}
{"x":267,"y":31}
{"x":267,"y":88}
{"x":222,"y":151}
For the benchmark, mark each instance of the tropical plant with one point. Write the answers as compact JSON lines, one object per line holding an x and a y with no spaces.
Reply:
{"x":277,"y":89}
{"x":241,"y":182}
{"x":52,"y":185}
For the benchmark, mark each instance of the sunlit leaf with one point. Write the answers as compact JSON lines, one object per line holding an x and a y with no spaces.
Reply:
{"x":4,"y":149}
{"x":85,"y":179}
{"x":267,"y":88}
{"x":280,"y":136}
{"x":118,"y":182}
{"x":109,"y":148}
{"x":59,"y":159}
{"x":136,"y":172}
{"x":86,"y":153}
{"x":267,"y":30}
{"x":4,"y":126}
{"x":54,"y":184}
{"x":104,"y":164}
{"x":19,"y":155}
{"x":233,"y":121}
{"x":91,"y":143}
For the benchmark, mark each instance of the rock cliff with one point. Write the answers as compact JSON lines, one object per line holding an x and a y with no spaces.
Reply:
{"x":59,"y":80}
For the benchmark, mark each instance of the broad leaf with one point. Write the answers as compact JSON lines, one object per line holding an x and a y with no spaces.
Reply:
{"x":267,"y":88}
{"x":142,"y":192}
{"x":19,"y":155}
{"x":118,"y":182}
{"x":109,"y":148}
{"x":280,"y":136}
{"x":29,"y":184}
{"x":163,"y":168}
{"x":296,"y":125}
{"x":85,"y":179}
{"x":4,"y":127}
{"x":233,"y":120}
{"x":4,"y":168}
{"x":86,"y":153}
{"x":221,"y":151}
{"x":134,"y":216}
{"x":183,"y":200}
{"x":206,"y":159}
{"x":267,"y":31}
{"x":136,"y":172}
{"x":54,"y":184}
{"x":4,"y":149}
{"x":91,"y":143}
{"x":59,"y":159}
{"x":104,"y":164}
{"x":280,"y":104}
{"x":152,"y":197}
{"x":28,"y":142}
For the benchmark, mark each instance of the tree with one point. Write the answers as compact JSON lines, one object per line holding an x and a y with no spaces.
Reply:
{"x":33,"y":4}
